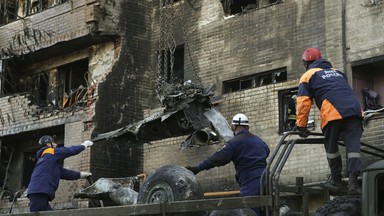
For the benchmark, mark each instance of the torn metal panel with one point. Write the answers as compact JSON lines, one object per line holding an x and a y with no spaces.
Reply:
{"x":119,"y":190}
{"x":188,"y":111}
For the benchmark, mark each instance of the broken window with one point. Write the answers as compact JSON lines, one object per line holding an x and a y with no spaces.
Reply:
{"x":368,"y":74}
{"x":172,"y":65}
{"x":61,"y":87}
{"x":11,"y":10}
{"x":72,"y":82}
{"x":35,"y":6}
{"x":260,"y":79}
{"x":169,"y":2}
{"x":11,"y":81}
{"x":287,"y":111}
{"x":8,"y":11}
{"x":240,"y":6}
{"x":18,"y":159}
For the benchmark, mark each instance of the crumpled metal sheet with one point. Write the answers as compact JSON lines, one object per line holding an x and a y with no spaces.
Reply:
{"x":188,"y":110}
{"x":119,"y":190}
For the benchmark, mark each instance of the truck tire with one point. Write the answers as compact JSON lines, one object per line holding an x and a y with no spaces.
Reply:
{"x":341,"y":206}
{"x":170,"y":183}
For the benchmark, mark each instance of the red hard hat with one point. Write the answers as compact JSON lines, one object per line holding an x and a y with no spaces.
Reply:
{"x":311,"y":54}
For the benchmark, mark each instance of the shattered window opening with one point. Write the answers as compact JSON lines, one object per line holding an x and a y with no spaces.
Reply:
{"x":287,"y":109}
{"x":72,"y":85}
{"x":232,"y":7}
{"x":259,"y":79}
{"x":12,"y":10}
{"x":169,"y":2}
{"x":369,"y":74}
{"x":61,"y":87}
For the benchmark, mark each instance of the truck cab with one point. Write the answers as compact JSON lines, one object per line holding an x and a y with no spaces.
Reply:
{"x":372,"y":200}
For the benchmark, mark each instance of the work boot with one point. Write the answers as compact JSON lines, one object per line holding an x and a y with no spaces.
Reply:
{"x":353,"y":185}
{"x":333,"y":184}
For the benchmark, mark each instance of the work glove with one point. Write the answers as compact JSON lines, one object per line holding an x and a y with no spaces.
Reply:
{"x":195,"y":170}
{"x":303,"y":131}
{"x":87,"y":144}
{"x":84,"y":175}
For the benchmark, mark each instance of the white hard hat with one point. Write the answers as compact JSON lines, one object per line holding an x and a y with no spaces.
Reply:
{"x":240,"y":119}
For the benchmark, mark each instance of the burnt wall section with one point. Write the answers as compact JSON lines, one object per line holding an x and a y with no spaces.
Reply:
{"x":47,"y":28}
{"x":219,"y":47}
{"x":126,"y":91}
{"x":225,"y":47}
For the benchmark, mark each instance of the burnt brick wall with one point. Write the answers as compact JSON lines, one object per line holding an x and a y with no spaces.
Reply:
{"x":227,"y":47}
{"x":126,"y":91}
{"x":66,"y":21}
{"x":223,"y":48}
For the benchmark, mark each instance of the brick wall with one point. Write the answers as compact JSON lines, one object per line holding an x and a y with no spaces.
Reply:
{"x":223,"y":48}
{"x":363,"y":30}
{"x":51,"y":20}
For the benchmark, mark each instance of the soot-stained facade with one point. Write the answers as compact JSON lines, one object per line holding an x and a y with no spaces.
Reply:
{"x":77,"y":69}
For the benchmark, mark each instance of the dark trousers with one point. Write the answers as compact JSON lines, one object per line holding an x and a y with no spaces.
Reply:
{"x":349,"y":130}
{"x":252,"y":187}
{"x":39,"y":202}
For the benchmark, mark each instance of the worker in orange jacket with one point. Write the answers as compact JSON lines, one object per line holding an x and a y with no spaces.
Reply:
{"x":341,"y":116}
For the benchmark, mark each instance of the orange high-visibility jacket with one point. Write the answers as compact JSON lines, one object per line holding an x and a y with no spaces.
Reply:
{"x":331,"y":91}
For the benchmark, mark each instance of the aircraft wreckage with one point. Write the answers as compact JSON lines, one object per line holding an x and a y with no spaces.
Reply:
{"x":188,"y":111}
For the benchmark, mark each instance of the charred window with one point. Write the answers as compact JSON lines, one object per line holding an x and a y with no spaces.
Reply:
{"x":260,"y":79}
{"x":8,"y":11}
{"x":168,"y":2}
{"x":72,"y":83}
{"x":241,"y":6}
{"x":18,"y":159}
{"x":39,"y":89}
{"x":11,"y":10}
{"x":172,"y":65}
{"x":287,"y":110}
{"x":61,"y":87}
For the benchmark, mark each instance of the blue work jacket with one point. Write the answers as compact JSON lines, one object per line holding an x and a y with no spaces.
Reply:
{"x":48,"y":170}
{"x":248,"y":153}
{"x":331,"y":91}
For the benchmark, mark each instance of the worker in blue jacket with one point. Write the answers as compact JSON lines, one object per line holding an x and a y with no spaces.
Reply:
{"x":48,"y":172}
{"x":247,"y":152}
{"x":340,"y":113}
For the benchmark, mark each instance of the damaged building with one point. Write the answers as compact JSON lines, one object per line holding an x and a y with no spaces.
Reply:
{"x":77,"y":69}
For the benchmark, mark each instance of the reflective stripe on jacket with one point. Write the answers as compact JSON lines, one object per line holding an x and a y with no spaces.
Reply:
{"x":331,"y":91}
{"x":48,"y":170}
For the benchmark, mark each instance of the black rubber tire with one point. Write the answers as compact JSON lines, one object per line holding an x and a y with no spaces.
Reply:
{"x":170,"y":183}
{"x":341,"y":206}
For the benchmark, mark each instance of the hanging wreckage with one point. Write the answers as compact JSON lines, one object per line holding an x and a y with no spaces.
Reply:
{"x":187,"y":105}
{"x":188,"y":111}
